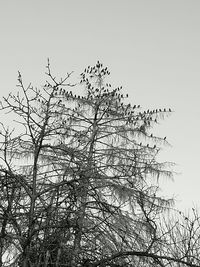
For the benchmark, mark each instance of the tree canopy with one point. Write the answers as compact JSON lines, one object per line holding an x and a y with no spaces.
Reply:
{"x":80,"y":178}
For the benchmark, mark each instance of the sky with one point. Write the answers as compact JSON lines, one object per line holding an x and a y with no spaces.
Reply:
{"x":151,"y":47}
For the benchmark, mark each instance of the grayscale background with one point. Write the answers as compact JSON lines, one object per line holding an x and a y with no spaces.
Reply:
{"x":151,"y":47}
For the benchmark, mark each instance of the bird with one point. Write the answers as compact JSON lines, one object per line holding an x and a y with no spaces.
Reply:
{"x":170,"y":110}
{"x":165,"y":138}
{"x":154,"y":146}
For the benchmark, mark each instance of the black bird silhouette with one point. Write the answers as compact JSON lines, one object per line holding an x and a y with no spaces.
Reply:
{"x":165,"y":138}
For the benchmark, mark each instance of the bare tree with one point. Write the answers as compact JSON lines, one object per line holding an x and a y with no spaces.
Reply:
{"x":83,"y":177}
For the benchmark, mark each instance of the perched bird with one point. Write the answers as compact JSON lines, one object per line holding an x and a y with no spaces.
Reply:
{"x":165,"y":138}
{"x":154,"y":146}
{"x":170,"y":110}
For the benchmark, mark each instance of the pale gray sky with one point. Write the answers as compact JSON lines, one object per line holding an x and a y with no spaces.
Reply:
{"x":151,"y":47}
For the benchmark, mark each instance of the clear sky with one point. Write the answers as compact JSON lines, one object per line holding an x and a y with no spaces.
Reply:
{"x":151,"y":47}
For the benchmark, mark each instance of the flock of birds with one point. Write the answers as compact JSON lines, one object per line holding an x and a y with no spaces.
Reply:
{"x":110,"y":102}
